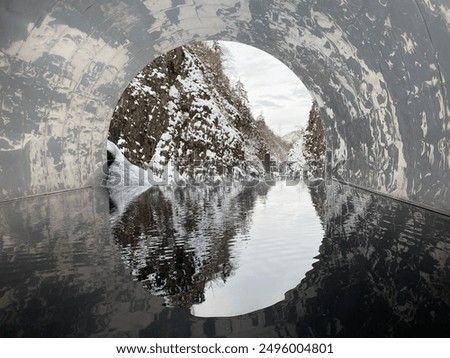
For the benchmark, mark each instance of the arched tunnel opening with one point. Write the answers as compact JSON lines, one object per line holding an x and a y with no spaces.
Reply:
{"x":379,"y":73}
{"x":220,"y":185}
{"x":189,"y":110}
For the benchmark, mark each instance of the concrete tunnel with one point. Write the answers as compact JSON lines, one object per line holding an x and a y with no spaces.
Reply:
{"x":379,"y":70}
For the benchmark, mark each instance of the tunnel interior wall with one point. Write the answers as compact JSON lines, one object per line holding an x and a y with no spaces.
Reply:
{"x":379,"y":70}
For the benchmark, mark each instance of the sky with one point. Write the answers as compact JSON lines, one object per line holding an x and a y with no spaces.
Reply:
{"x":272,"y":87}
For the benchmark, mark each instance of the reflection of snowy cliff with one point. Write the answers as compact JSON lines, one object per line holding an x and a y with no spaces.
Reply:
{"x":176,"y":240}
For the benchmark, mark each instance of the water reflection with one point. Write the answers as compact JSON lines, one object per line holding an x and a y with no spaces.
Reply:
{"x":60,"y":276}
{"x":175,"y":240}
{"x":383,"y":271}
{"x":217,"y":250}
{"x":383,"y":267}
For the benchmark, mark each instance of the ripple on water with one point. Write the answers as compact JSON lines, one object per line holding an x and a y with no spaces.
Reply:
{"x":240,"y":250}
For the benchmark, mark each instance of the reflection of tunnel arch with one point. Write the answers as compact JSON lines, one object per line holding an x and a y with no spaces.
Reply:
{"x":380,"y":70}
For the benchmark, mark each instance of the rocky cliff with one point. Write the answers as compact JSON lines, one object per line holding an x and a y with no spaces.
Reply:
{"x":182,"y":107}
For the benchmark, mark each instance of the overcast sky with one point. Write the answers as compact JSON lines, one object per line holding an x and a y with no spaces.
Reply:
{"x":272,"y":87}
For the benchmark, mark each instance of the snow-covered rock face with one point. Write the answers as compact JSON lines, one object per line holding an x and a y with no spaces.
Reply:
{"x":183,"y":108}
{"x":123,"y":190}
{"x":379,"y":70}
{"x":175,"y":110}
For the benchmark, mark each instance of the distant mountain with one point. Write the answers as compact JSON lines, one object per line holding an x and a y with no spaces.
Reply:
{"x":273,"y":144}
{"x":293,"y":136}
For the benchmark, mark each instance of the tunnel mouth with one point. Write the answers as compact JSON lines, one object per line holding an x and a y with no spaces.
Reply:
{"x":192,"y":171}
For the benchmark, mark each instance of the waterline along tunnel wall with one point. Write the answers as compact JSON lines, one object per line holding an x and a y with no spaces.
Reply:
{"x":379,"y":69}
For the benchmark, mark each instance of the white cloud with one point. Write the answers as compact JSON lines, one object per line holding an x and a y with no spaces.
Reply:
{"x":272,"y":87}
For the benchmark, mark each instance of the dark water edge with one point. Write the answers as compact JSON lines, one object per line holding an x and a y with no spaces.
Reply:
{"x":383,"y":270}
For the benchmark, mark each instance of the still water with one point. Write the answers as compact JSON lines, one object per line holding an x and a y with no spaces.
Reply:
{"x":223,"y":262}
{"x":216,"y":250}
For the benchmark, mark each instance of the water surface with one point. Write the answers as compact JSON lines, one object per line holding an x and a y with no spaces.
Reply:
{"x":182,"y":263}
{"x":221,"y":251}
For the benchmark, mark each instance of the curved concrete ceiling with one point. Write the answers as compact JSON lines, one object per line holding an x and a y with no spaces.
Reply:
{"x":378,"y":68}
